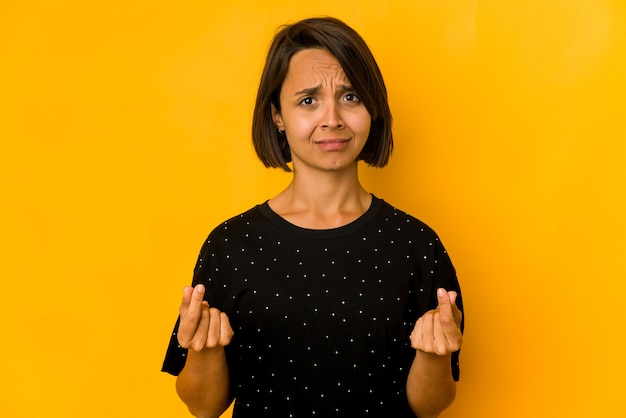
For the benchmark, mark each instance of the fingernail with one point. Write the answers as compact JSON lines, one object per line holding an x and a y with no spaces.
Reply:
{"x":200,"y":288}
{"x":440,"y":292}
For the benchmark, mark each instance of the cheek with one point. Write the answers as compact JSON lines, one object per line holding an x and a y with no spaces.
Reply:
{"x":361,"y":124}
{"x":296,"y":126}
{"x":301,"y":125}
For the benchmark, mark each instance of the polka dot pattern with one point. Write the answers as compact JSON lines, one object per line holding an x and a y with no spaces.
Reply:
{"x":321,"y":317}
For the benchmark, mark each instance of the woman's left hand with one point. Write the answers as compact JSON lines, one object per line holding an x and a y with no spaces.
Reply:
{"x":438,"y":331}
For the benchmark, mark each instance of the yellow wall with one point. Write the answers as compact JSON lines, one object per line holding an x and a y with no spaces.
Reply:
{"x":124,"y":130}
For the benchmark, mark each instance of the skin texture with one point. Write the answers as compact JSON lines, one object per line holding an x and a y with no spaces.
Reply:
{"x":436,"y":335}
{"x":326,"y":126}
{"x":437,"y":331}
{"x":205,"y":331}
{"x":325,"y":122}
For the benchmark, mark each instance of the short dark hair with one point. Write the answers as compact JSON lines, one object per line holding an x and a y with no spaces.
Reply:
{"x":359,"y":65}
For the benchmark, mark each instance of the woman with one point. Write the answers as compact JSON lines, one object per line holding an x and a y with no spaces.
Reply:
{"x":325,"y":300}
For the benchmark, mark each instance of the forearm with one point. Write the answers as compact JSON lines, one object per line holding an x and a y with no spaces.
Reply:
{"x":203,"y":384}
{"x":430,"y":386}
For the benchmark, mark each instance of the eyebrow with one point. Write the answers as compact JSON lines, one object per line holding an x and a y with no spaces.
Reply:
{"x":315,"y":89}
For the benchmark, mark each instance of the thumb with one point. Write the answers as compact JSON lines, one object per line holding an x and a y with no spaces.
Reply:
{"x":445,"y":298}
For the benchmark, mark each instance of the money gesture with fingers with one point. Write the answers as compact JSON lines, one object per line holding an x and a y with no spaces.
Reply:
{"x":201,"y":326}
{"x":438,"y":331}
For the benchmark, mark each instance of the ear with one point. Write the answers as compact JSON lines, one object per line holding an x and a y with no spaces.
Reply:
{"x":277,"y":118}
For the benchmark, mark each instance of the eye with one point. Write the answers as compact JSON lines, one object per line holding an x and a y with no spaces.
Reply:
{"x":307,"y":101}
{"x":351,"y":97}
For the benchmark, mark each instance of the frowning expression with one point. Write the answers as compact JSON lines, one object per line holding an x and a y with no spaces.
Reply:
{"x":325,"y":122}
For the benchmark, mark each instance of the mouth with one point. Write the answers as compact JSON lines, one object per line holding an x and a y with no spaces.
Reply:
{"x":332,"y":144}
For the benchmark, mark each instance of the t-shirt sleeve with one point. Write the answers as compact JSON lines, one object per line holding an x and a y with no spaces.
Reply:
{"x":175,"y":355}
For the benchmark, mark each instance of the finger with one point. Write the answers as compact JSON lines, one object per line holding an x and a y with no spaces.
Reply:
{"x":184,"y":304}
{"x":448,"y":331}
{"x":192,"y":298}
{"x":452,"y":295}
{"x":185,"y":330}
{"x":443,"y":297}
{"x":447,"y":340}
{"x":190,"y":314}
{"x":197,"y":297}
{"x":440,"y":341}
{"x":198,"y":294}
{"x":200,"y":336}
{"x":445,"y":307}
{"x":456,"y":313}
{"x":449,"y":319}
{"x":213,"y":335}
{"x":428,"y":331}
{"x":226,"y":331}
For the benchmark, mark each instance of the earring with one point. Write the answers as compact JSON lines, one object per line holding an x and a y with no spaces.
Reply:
{"x":280,"y":132}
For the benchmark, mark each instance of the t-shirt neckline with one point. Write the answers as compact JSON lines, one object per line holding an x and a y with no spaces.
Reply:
{"x":283,"y":224}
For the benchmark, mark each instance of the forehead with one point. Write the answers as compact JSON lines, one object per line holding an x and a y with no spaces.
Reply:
{"x":313,"y":64}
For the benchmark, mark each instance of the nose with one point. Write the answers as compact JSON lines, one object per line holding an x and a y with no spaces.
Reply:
{"x":332,"y":116}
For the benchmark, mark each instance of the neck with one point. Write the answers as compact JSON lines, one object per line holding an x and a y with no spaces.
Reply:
{"x":322,"y":200}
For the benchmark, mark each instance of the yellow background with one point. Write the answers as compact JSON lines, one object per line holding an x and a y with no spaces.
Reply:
{"x":124,"y":131}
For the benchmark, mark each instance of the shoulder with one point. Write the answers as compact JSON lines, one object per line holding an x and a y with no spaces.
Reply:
{"x":245,"y":220}
{"x":401,"y":221}
{"x":234,"y":229}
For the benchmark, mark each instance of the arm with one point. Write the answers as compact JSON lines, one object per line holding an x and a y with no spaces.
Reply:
{"x":430,"y":386}
{"x":203,"y":384}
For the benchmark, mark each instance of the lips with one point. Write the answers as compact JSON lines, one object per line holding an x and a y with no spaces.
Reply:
{"x":332,"y":144}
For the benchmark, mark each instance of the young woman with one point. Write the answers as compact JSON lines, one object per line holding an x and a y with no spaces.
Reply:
{"x":324,"y":301}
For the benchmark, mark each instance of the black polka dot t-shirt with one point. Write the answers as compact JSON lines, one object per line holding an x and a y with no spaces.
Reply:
{"x":322,"y":318}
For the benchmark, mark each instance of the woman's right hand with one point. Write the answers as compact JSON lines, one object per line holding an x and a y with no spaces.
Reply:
{"x":201,"y":326}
